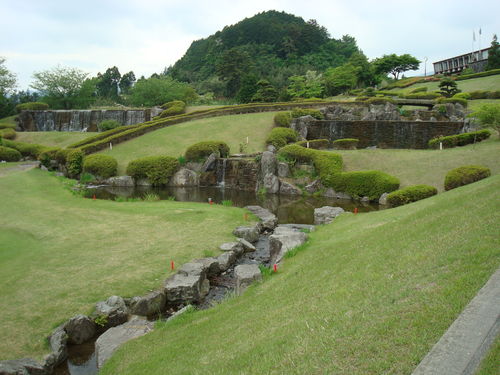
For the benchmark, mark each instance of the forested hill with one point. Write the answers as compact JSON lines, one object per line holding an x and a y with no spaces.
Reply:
{"x":271,"y":45}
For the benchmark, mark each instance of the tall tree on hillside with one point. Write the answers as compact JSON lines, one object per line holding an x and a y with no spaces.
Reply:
{"x":396,"y":64}
{"x":248,"y":88}
{"x":341,"y":79}
{"x":107,"y":83}
{"x":494,"y":55}
{"x":233,"y":65}
{"x":7,"y":85}
{"x":126,"y":82}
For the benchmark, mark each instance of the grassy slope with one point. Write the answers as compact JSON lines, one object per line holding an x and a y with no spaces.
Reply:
{"x":174,"y":140}
{"x":424,"y":166}
{"x":56,"y":139}
{"x":59,"y":253}
{"x":370,"y":294}
{"x":490,"y":364}
{"x":490,"y":83}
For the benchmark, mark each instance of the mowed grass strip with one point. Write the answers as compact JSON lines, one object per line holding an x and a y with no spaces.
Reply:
{"x":370,"y":294}
{"x":60,"y":253}
{"x":52,"y":138}
{"x":174,"y":140}
{"x":428,"y":167}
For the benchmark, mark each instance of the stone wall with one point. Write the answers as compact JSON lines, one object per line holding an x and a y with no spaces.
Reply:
{"x":80,"y":120}
{"x":238,"y":173}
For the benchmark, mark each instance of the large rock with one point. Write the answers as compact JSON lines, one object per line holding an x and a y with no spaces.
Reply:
{"x":383,"y":199}
{"x":251,"y":234}
{"x":283,"y":169}
{"x":247,"y":246}
{"x":143,"y":182}
{"x":194,"y":166}
{"x":209,"y":164}
{"x":301,"y":125}
{"x":326,"y":214}
{"x":114,"y":309}
{"x":269,"y":220}
{"x":188,"y":285}
{"x":184,"y":177}
{"x":226,"y":260}
{"x":330,"y":193}
{"x":287,"y":188}
{"x":237,"y":247}
{"x":80,"y":329}
{"x":245,"y":274}
{"x":122,"y":181}
{"x":114,"y":337}
{"x":58,"y":345}
{"x":148,"y":305}
{"x":314,"y":187}
{"x":271,"y":183}
{"x":268,"y":163}
{"x":283,"y":240}
{"x":210,"y":265}
{"x":24,"y":366}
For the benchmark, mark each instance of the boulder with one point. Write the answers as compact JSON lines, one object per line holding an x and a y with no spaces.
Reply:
{"x":187,"y":286}
{"x":143,"y":182}
{"x":330,"y":193}
{"x":148,"y":305}
{"x":283,"y":169}
{"x":314,"y":187}
{"x":283,"y":240}
{"x":237,"y":247}
{"x":80,"y":329}
{"x":114,"y":337}
{"x":326,"y":214}
{"x":122,"y":181}
{"x":226,"y":260}
{"x":301,"y":124}
{"x":193,"y":269}
{"x":209,"y":164}
{"x":365,"y":199}
{"x":383,"y":199}
{"x":194,"y":166}
{"x":247,"y":246}
{"x":271,"y":148}
{"x":287,"y":188}
{"x":24,"y":366}
{"x":210,"y":265}
{"x":114,"y":309}
{"x":184,"y":177}
{"x":268,"y":163}
{"x":57,"y":342}
{"x":269,"y":220}
{"x":271,"y":183}
{"x":251,"y":234}
{"x":245,"y":274}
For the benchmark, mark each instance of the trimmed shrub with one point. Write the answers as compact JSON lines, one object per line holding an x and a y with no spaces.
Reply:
{"x":283,"y":119}
{"x":371,"y":184}
{"x":460,"y":139}
{"x":493,"y":94}
{"x":9,"y":154}
{"x":453,"y":100}
{"x":378,"y":100}
{"x":61,"y":155}
{"x":299,"y":112}
{"x":32,"y":106}
{"x":410,"y":194}
{"x":478,"y":94}
{"x":317,"y":144}
{"x":8,"y":133}
{"x":487,"y":73}
{"x":173,"y":108}
{"x":423,"y":95}
{"x":388,"y":93}
{"x":345,"y":144}
{"x":102,"y":166}
{"x":108,"y":125}
{"x":74,"y":162}
{"x":280,"y":137}
{"x":419,"y":89}
{"x":47,"y":155}
{"x":465,"y":175}
{"x":202,"y":150}
{"x":157,"y":169}
{"x":462,"y":95}
{"x":30,"y":150}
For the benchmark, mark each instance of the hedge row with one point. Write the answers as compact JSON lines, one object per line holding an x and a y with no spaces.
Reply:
{"x":9,"y":154}
{"x":175,"y":107}
{"x":346,"y":143}
{"x":453,"y":100}
{"x":422,"y":95}
{"x":487,"y":73}
{"x":30,"y":150}
{"x":410,"y":194}
{"x":202,"y":150}
{"x":465,"y":175}
{"x":32,"y":106}
{"x":316,"y":144}
{"x":299,"y":112}
{"x":483,"y":94}
{"x":8,"y":133}
{"x":100,"y":166}
{"x":280,"y":137}
{"x":103,"y":135}
{"x":460,"y":139}
{"x":283,"y":119}
{"x":156,"y":169}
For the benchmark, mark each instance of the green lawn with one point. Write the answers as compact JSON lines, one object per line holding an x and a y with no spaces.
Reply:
{"x":490,"y":364}
{"x":54,"y":138}
{"x":60,"y":253}
{"x":369,"y":294}
{"x":174,"y":140}
{"x":474,"y":104}
{"x":490,"y":83}
{"x":424,"y":166}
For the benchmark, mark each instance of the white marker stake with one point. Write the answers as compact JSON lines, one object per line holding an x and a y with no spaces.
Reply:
{"x":440,"y":145}
{"x":307,"y":144}
{"x":110,"y":146}
{"x":247,"y":140}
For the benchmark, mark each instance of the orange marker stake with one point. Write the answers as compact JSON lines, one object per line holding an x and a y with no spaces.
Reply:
{"x":355,"y":210}
{"x":275,"y":268}
{"x":93,"y":197}
{"x":172,"y":265}
{"x":245,"y":216}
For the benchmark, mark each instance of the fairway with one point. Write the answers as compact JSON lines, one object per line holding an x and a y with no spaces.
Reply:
{"x":60,"y":253}
{"x":174,"y":140}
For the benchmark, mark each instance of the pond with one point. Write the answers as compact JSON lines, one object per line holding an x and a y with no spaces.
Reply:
{"x":288,"y":208}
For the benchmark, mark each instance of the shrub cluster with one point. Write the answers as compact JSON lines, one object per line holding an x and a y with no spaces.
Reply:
{"x":346,"y":143}
{"x":410,"y":194}
{"x":419,"y":89}
{"x":465,"y":175}
{"x":9,"y":154}
{"x":371,"y":184}
{"x":173,"y":108}
{"x":299,"y":112}
{"x":108,"y":125}
{"x":484,"y":94}
{"x":460,"y":139}
{"x":157,"y":169}
{"x":317,"y":144}
{"x":387,"y":93}
{"x":74,"y":162}
{"x":202,"y":150}
{"x":378,"y":100}
{"x":101,"y":166}
{"x":280,"y":137}
{"x":48,"y":154}
{"x":453,"y":100}
{"x":62,"y":154}
{"x":463,"y":95}
{"x":32,"y":106}
{"x":8,"y":133}
{"x":30,"y":150}
{"x":283,"y":119}
{"x":422,"y":95}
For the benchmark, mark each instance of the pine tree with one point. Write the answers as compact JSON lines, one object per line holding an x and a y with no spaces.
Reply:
{"x":494,"y":55}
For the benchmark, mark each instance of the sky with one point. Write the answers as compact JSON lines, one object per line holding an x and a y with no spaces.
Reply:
{"x":146,"y":36}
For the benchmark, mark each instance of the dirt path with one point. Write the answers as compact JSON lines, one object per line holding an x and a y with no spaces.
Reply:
{"x":18,"y":168}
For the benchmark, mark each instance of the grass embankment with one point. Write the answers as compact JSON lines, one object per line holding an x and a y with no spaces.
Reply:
{"x":428,"y":167}
{"x":369,"y":294}
{"x":490,"y":83}
{"x":60,"y":253}
{"x":174,"y":140}
{"x":491,"y":363}
{"x":54,"y":138}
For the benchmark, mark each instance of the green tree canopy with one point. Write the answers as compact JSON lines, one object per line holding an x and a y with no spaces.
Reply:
{"x":309,"y":85}
{"x":494,"y":55}
{"x":157,"y":91}
{"x":265,"y":92}
{"x":126,"y":82}
{"x":395,"y":64}
{"x":107,"y":83}
{"x":488,"y":115}
{"x":7,"y":79}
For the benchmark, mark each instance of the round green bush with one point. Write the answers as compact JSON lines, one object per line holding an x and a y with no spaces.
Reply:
{"x":32,"y":106}
{"x":8,"y":133}
{"x":280,"y":137}
{"x":202,"y":150}
{"x":410,"y":194}
{"x":108,"y":125}
{"x":283,"y":119}
{"x":173,"y":108}
{"x":346,"y":144}
{"x":463,"y":95}
{"x":299,"y":112}
{"x":74,"y":162}
{"x":30,"y":150}
{"x":465,"y":175}
{"x":101,"y":166}
{"x":61,"y":155}
{"x":9,"y":154}
{"x":371,"y":184}
{"x":157,"y":169}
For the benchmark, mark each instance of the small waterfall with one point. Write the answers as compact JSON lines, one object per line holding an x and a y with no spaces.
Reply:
{"x":221,"y":172}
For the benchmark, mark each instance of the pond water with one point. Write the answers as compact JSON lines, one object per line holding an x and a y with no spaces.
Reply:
{"x":288,"y":209}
